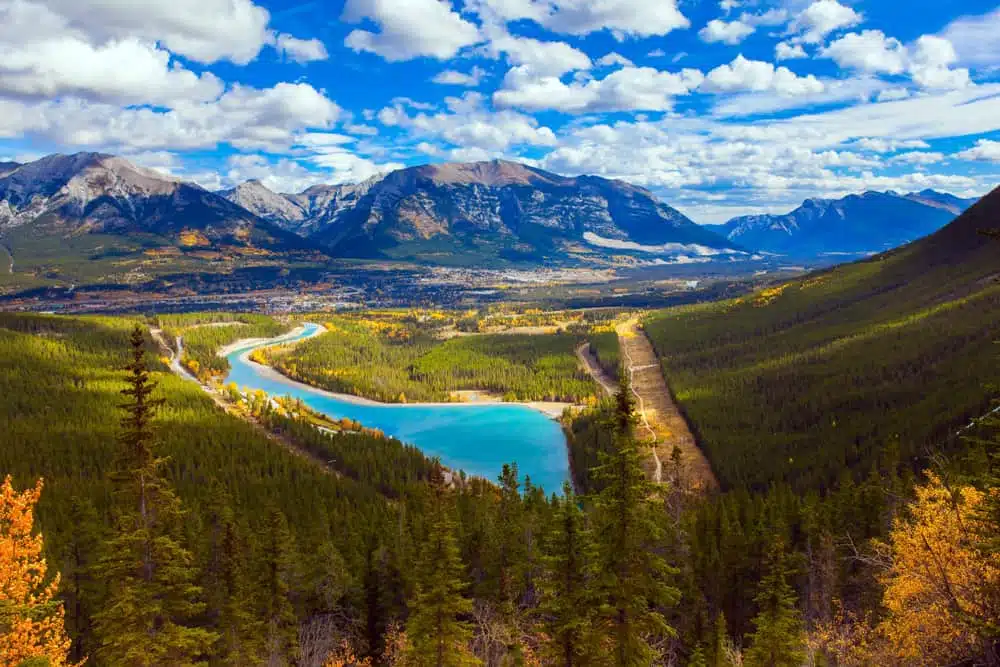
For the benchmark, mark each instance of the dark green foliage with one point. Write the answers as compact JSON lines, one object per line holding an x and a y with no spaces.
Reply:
{"x":634,"y":588}
{"x":778,"y":639}
{"x":437,"y":629}
{"x":203,"y":334}
{"x":152,"y":595}
{"x":569,"y":588}
{"x":281,"y":632}
{"x":80,"y":589}
{"x":588,"y":436}
{"x":800,"y":385}
{"x":406,"y":363}
{"x":607,"y":351}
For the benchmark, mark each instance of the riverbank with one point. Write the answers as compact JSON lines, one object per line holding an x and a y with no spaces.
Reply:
{"x":551,"y":409}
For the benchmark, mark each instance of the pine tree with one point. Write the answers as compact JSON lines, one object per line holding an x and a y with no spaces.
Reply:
{"x":510,"y":539}
{"x":150,"y":573}
{"x":718,"y":656}
{"x":239,"y":630}
{"x":568,"y":596}
{"x":437,"y":634}
{"x":635,"y":588}
{"x":282,"y":629}
{"x":778,"y":639}
{"x":80,"y":589}
{"x":31,"y":618}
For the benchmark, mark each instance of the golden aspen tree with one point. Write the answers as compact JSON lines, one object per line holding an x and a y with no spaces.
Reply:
{"x":31,"y":618}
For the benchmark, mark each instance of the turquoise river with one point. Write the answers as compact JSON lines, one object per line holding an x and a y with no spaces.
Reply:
{"x":476,"y":438}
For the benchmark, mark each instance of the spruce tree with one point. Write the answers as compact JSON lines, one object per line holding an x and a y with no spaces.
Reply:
{"x":778,"y":639}
{"x":79,"y":587}
{"x":281,"y":625}
{"x":569,"y":598}
{"x":239,"y":630}
{"x":635,"y":589}
{"x":437,"y":633}
{"x":152,"y":594}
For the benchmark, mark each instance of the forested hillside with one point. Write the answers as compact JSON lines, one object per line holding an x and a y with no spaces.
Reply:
{"x":810,"y":378}
{"x":397,"y":360}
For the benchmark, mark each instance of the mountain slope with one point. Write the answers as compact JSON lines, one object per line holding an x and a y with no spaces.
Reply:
{"x":862,"y":365}
{"x":857,"y":224}
{"x":84,"y":208}
{"x":507,"y":211}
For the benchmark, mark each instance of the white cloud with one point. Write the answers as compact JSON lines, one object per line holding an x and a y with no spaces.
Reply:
{"x":624,"y":18}
{"x":243,"y":117}
{"x":889,"y":145}
{"x":931,"y":65}
{"x":917,"y":158}
{"x":627,"y":89}
{"x":656,"y":53}
{"x":821,"y":18}
{"x":732,"y":32}
{"x":976,"y":38}
{"x":550,"y":58}
{"x":758,"y":76}
{"x":771,"y":17}
{"x":985,"y":150}
{"x":410,"y":29}
{"x":868,"y":51}
{"x":300,"y":50}
{"x":614,"y":59}
{"x":125,"y":71}
{"x":789,"y":51}
{"x":468,"y":124}
{"x":203,"y":30}
{"x":450,"y":77}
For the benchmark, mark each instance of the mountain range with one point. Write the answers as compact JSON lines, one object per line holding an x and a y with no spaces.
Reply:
{"x":62,"y":215}
{"x":854,"y":225}
{"x":485,"y":210}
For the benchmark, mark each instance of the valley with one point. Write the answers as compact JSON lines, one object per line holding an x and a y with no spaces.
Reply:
{"x":693,"y":426}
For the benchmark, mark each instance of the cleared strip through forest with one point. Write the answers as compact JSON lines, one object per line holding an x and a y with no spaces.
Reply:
{"x":661,"y":419}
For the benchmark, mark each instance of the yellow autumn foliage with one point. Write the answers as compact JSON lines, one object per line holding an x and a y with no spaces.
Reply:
{"x":31,"y":619}
{"x":937,"y":581}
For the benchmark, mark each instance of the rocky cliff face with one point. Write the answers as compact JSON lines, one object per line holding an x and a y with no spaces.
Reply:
{"x":511,"y":211}
{"x":856,"y":224}
{"x":303,"y":213}
{"x":93,"y":192}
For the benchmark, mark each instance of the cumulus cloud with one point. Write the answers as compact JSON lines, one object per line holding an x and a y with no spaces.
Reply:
{"x":727,"y":32}
{"x":985,"y":150}
{"x":976,"y":39}
{"x":820,"y":19}
{"x":626,"y":89}
{"x":928,"y":62}
{"x":450,"y":77}
{"x":759,"y":76}
{"x":868,"y":51}
{"x":614,"y":59}
{"x":917,"y":158}
{"x":126,"y":71}
{"x":550,"y":58}
{"x":409,"y":30}
{"x":467,"y":123}
{"x":300,"y":50}
{"x":789,"y":51}
{"x":624,"y":18}
{"x":202,"y":30}
{"x":244,"y":117}
{"x":931,"y":65}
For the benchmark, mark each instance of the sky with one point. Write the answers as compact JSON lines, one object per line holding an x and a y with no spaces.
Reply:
{"x":720,"y":108}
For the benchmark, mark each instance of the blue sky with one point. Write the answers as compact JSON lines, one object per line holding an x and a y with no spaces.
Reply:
{"x":720,"y":108}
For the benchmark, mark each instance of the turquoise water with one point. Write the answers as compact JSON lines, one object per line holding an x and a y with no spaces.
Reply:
{"x":478,"y":439}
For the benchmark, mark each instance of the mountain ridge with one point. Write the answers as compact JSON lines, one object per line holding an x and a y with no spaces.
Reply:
{"x":856,"y":224}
